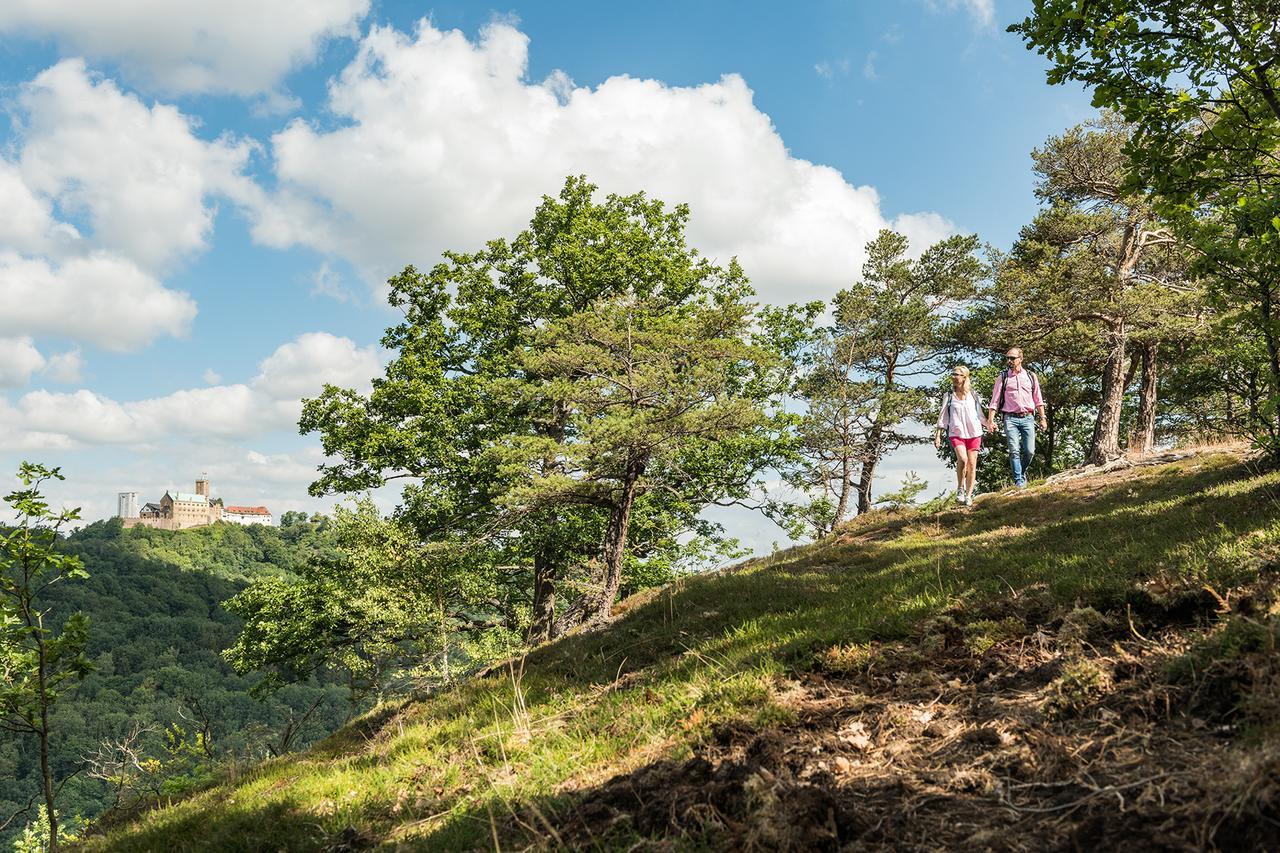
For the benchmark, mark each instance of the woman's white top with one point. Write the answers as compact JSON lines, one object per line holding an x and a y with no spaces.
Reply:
{"x":959,"y":416}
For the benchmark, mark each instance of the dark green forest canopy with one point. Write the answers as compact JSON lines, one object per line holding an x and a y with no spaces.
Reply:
{"x":157,"y":627}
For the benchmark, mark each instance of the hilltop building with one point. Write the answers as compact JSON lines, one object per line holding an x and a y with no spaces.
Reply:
{"x":181,"y":510}
{"x":247,"y":515}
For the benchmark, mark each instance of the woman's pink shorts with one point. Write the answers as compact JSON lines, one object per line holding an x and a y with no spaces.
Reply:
{"x":972,"y":444}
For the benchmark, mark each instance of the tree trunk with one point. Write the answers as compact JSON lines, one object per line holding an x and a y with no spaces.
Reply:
{"x":1144,"y":431}
{"x":846,"y":466}
{"x":868,"y":474}
{"x":875,"y":437}
{"x":46,"y":772}
{"x":615,"y":542}
{"x":1105,"y":444}
{"x":542,"y":620}
{"x":1050,"y":435}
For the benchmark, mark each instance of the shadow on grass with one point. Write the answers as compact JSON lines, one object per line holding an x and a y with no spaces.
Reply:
{"x":1089,"y":544}
{"x":1092,"y":550}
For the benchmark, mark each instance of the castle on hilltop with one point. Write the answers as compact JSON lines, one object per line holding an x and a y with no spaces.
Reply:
{"x":180,"y":510}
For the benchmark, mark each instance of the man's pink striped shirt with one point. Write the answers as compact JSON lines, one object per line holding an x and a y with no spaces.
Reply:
{"x":1022,"y":395}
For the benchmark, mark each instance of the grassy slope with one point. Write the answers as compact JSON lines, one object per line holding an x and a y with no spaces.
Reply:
{"x":502,"y":758}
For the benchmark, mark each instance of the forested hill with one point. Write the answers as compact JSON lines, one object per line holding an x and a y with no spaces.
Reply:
{"x":1074,"y":667}
{"x":157,"y":627}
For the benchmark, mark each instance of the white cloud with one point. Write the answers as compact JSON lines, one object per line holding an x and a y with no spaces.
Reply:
{"x":211,"y":376}
{"x":301,"y":367}
{"x":271,"y":401}
{"x":19,"y":358}
{"x":137,"y":174}
{"x":981,"y":12}
{"x":80,"y":416}
{"x":923,"y":229}
{"x":133,"y":185}
{"x":238,"y":46}
{"x":65,"y":367}
{"x":102,"y":299}
{"x":446,"y":144}
{"x":27,"y":224}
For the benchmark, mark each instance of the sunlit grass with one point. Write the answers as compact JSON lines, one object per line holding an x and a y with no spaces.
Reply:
{"x":443,"y":772}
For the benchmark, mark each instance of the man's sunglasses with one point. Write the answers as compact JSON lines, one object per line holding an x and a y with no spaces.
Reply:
{"x":1012,"y":357}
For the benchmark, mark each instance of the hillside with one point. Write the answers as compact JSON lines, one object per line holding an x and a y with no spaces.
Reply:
{"x":157,"y":627}
{"x":1076,"y":667}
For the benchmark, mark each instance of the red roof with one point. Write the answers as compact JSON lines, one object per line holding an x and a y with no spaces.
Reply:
{"x":248,"y":510}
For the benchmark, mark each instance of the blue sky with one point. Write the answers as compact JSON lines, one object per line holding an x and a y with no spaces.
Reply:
{"x":202,"y":198}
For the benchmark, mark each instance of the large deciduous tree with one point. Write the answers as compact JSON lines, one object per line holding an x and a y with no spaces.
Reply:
{"x":504,"y":405}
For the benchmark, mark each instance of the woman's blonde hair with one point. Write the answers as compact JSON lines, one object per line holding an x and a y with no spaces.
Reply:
{"x":961,"y":370}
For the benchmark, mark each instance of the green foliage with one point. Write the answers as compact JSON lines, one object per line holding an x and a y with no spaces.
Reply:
{"x":1199,"y":83}
{"x":907,"y":493}
{"x":856,"y":376}
{"x":384,"y":607}
{"x":559,"y":464}
{"x":40,"y":663}
{"x":36,"y":835}
{"x":1094,"y":273}
{"x":154,"y":599}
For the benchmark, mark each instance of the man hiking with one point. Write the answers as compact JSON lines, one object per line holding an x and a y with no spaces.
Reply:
{"x":1016,"y":396}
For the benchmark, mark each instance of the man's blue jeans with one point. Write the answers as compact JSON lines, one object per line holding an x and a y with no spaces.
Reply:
{"x":1020,"y":434}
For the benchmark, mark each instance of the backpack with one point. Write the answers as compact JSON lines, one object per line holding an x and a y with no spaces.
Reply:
{"x":1004,"y":376}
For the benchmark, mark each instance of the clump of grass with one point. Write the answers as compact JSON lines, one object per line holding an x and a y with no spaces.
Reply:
{"x":983,"y":635}
{"x":842,"y":659}
{"x":1237,"y":638}
{"x":1080,"y":626}
{"x":1078,"y":687}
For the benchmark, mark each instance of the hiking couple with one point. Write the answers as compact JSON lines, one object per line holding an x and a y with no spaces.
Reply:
{"x":1016,"y":396}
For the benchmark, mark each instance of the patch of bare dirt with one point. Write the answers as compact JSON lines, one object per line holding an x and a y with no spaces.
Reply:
{"x":1065,"y":735}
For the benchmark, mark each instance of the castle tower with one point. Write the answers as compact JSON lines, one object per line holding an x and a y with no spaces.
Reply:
{"x":202,"y":485}
{"x":127,"y":505}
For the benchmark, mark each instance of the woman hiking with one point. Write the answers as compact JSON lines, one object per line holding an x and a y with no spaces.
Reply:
{"x":961,"y":421}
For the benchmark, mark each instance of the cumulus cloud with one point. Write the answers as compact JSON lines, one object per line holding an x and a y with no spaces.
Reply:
{"x":270,"y":401}
{"x":138,"y":174}
{"x":65,"y":367}
{"x":303,"y":366}
{"x":19,"y":358}
{"x":102,"y":195}
{"x":445,"y":143}
{"x":27,"y":224}
{"x":102,"y":299}
{"x":238,"y":46}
